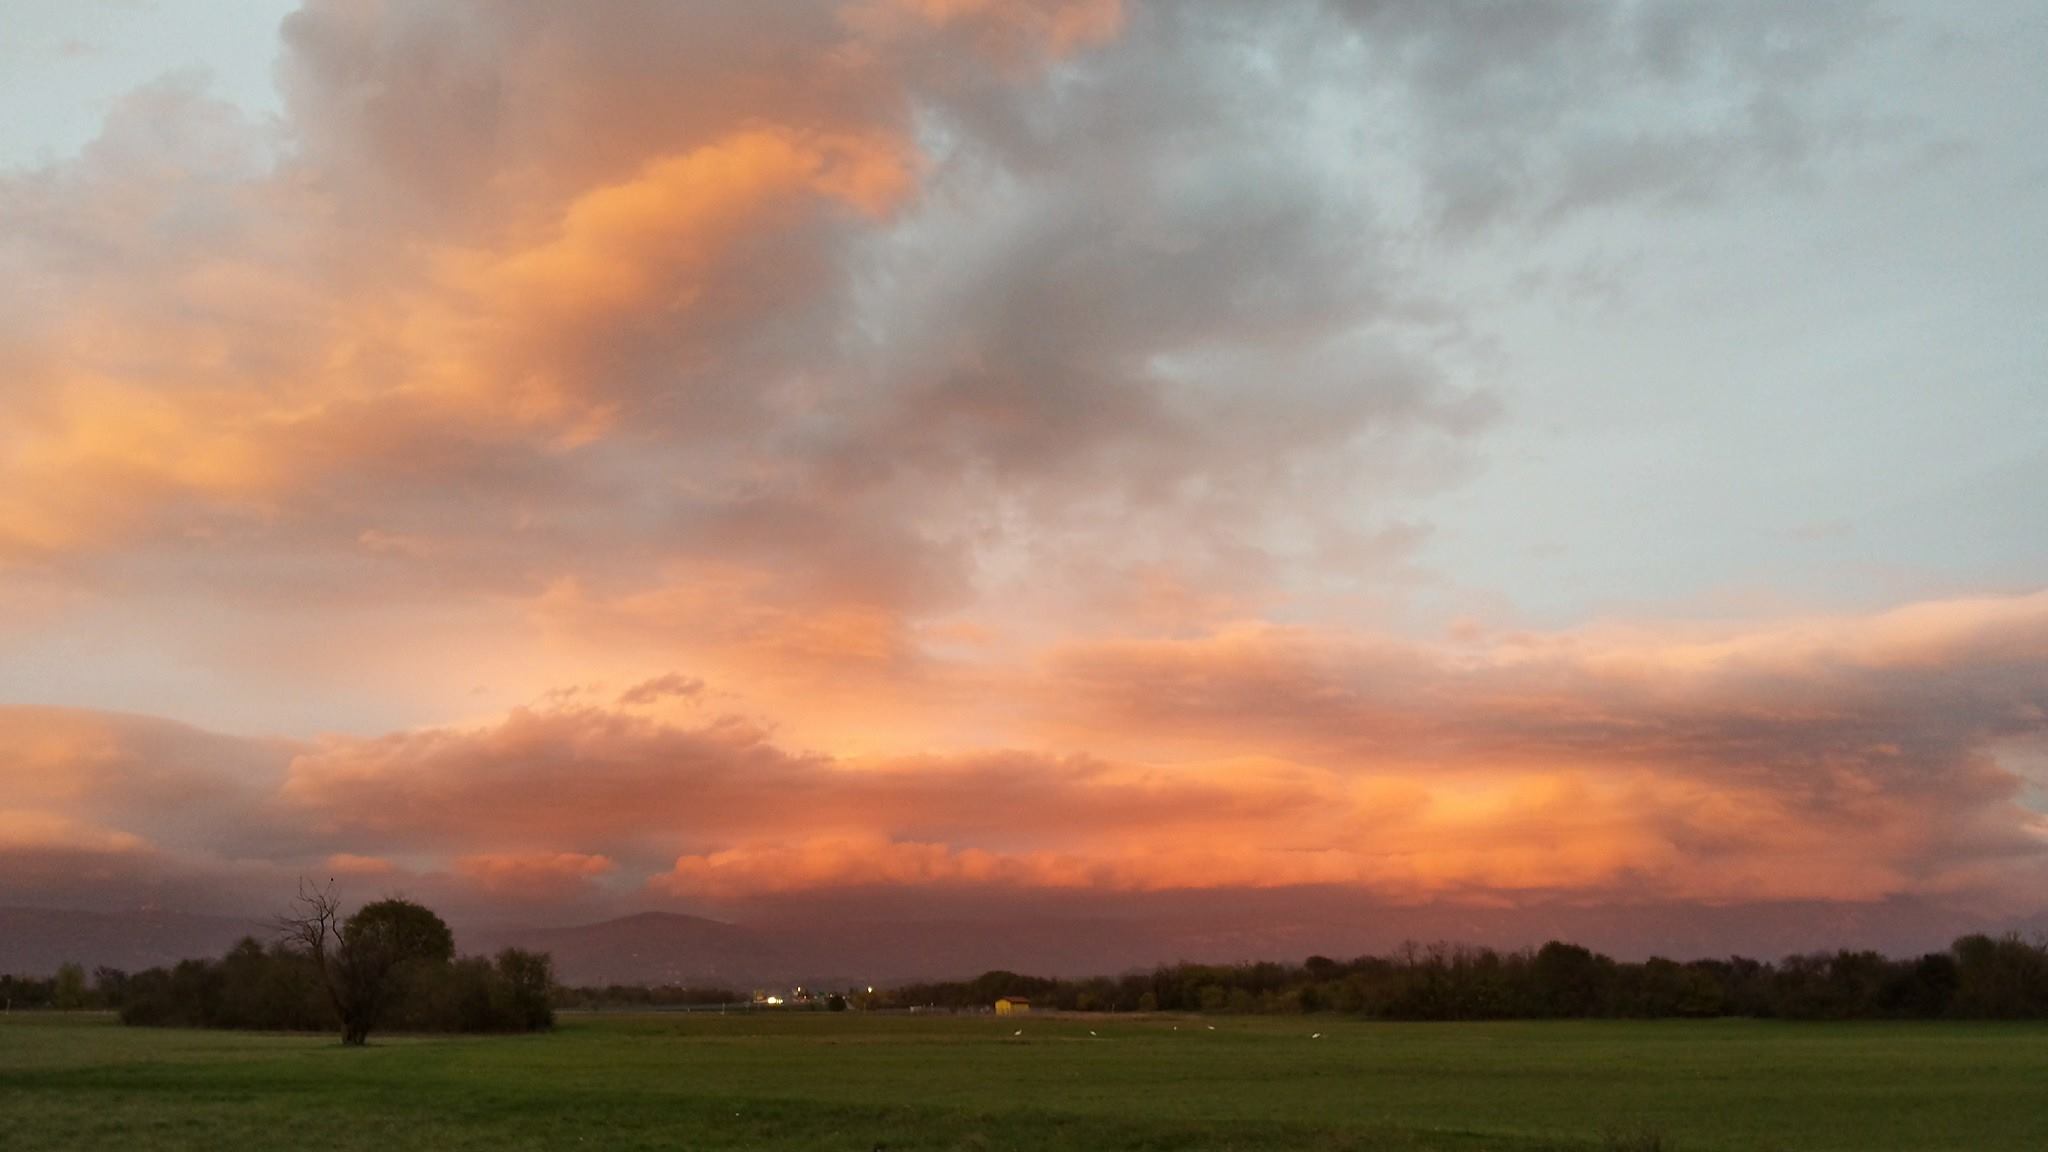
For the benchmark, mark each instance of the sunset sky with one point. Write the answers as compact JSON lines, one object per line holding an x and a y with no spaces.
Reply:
{"x":565,"y":459}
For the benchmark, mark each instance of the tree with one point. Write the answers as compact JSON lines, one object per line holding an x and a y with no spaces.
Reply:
{"x":69,"y":993}
{"x":111,"y":985}
{"x":1570,"y":979}
{"x":1924,"y":990}
{"x":2004,"y":978}
{"x":363,"y":959}
{"x":529,"y":978}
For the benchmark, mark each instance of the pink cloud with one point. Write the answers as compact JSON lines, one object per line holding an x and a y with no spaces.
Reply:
{"x":351,"y":865}
{"x":1012,"y":473}
{"x":1564,"y":765}
{"x":538,"y":876}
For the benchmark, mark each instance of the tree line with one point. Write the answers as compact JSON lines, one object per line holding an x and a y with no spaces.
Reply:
{"x":276,"y":988}
{"x":419,"y":985}
{"x":66,"y":990}
{"x":391,"y":965}
{"x":1979,"y":977}
{"x":629,"y":997}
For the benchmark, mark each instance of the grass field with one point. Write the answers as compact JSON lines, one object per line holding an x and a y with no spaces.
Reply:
{"x":820,"y":1081}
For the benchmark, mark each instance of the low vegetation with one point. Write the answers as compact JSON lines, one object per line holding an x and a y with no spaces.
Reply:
{"x":1979,"y":978}
{"x":631,"y":997}
{"x":276,"y":988}
{"x":391,"y":965}
{"x":281,"y":987}
{"x":854,"y":1080}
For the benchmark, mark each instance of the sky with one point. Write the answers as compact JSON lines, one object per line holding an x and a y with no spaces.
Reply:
{"x":560,"y":460}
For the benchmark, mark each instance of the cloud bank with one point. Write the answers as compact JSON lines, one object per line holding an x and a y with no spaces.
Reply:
{"x":1830,"y":759}
{"x":702,"y":454}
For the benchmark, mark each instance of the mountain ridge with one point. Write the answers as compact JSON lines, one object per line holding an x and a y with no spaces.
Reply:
{"x":654,"y":946}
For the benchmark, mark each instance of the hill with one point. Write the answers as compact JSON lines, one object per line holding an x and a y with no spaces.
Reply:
{"x":34,"y":941}
{"x":818,"y":946}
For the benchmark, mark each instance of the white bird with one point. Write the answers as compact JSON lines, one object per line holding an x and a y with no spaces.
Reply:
{"x":1091,"y":1031}
{"x":1212,"y":1027}
{"x":1018,"y":1032}
{"x":1317,"y":1036}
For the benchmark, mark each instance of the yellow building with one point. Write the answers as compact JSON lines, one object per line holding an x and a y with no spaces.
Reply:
{"x":1012,"y":1006}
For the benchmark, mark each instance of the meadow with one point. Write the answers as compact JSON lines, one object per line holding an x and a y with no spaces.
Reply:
{"x":858,"y":1081}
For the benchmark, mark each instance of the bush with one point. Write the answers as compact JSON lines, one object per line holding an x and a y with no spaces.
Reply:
{"x":279,"y":989}
{"x":1979,"y":977}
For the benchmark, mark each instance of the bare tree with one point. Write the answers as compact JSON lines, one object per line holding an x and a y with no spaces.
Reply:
{"x":313,"y":926}
{"x":359,"y":958}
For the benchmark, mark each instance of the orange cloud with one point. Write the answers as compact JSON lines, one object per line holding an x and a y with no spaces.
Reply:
{"x":512,"y":327}
{"x":24,"y":829}
{"x":880,"y":363}
{"x":246,"y":373}
{"x":1275,"y":760}
{"x":532,"y":876}
{"x":661,"y":687}
{"x":1529,"y":835}
{"x":1253,"y":758}
{"x":350,"y":864}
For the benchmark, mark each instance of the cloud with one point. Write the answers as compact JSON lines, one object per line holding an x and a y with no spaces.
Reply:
{"x":351,"y":865}
{"x":475,"y":256}
{"x":1666,"y":104}
{"x":24,"y":830}
{"x":122,"y":771}
{"x":662,"y":687}
{"x":1013,"y":414}
{"x":585,"y":345}
{"x":532,"y":876}
{"x":1846,"y":758}
{"x":1531,"y":835}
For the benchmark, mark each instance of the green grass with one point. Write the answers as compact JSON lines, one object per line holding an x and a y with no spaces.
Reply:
{"x":819,"y":1081}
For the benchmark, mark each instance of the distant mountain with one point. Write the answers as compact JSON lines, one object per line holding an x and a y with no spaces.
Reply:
{"x":665,"y":948}
{"x":34,"y":941}
{"x":817,"y":947}
{"x":658,"y":947}
{"x":648,"y":948}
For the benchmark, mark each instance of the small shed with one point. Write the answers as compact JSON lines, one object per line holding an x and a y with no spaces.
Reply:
{"x":1013,"y":1006}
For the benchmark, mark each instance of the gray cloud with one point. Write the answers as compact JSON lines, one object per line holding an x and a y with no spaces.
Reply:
{"x":1084,"y":391}
{"x":1159,"y":305}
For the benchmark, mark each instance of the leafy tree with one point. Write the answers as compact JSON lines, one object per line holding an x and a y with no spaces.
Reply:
{"x":1927,"y":989}
{"x":1572,"y":979}
{"x":69,"y":993}
{"x":110,"y":985}
{"x":529,"y":980}
{"x":2002,"y":978}
{"x":364,"y":960}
